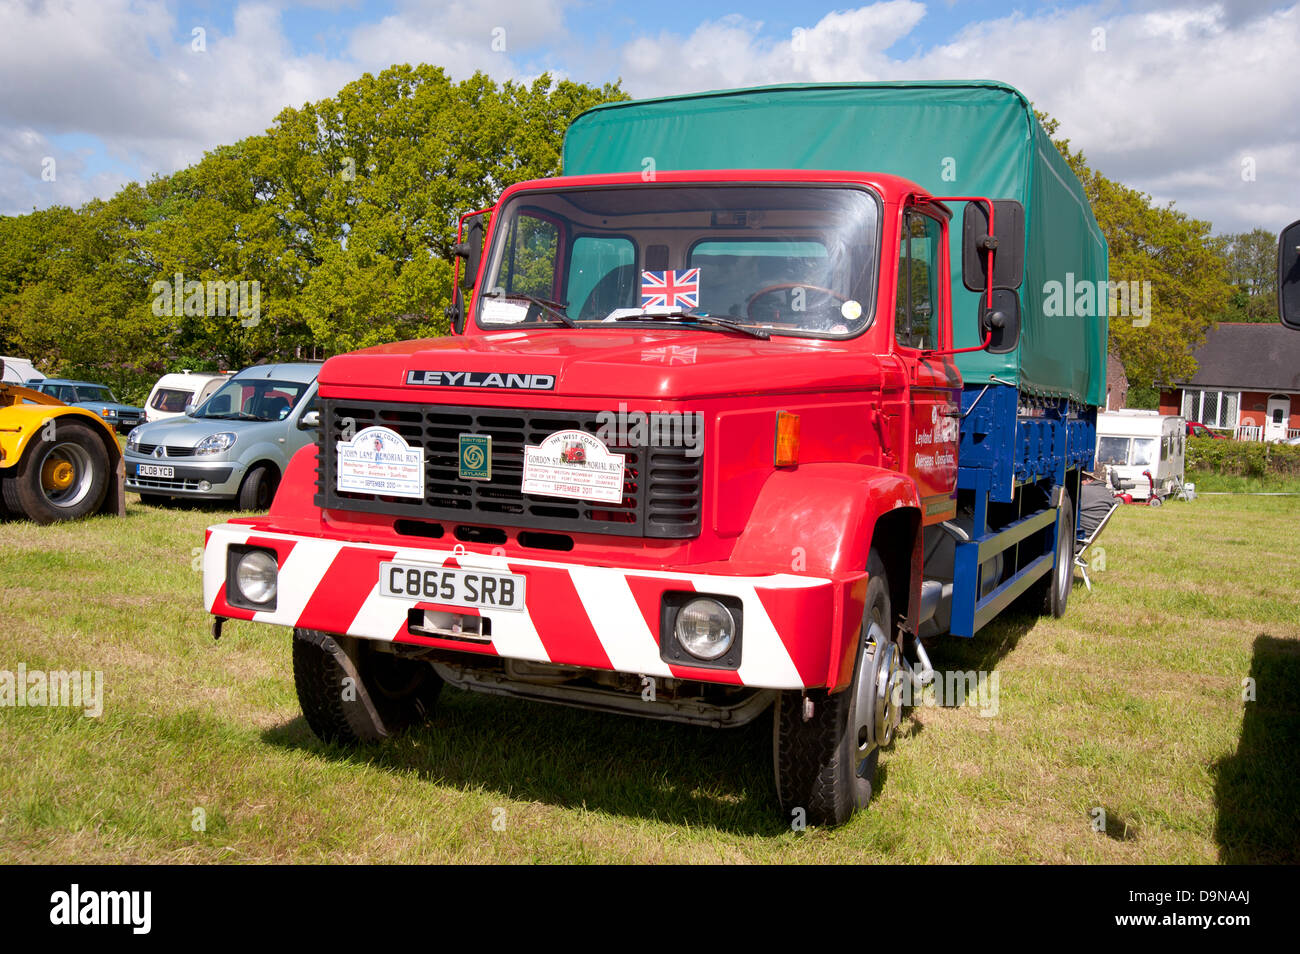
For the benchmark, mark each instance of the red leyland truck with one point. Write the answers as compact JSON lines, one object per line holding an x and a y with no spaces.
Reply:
{"x":738,"y":414}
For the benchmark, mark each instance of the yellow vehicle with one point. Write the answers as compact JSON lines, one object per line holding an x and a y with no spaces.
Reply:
{"x":56,"y":462}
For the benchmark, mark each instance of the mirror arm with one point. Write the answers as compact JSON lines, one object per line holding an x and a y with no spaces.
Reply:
{"x":988,"y":340}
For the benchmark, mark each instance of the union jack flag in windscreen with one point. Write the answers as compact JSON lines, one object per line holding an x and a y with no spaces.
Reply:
{"x":671,"y":289}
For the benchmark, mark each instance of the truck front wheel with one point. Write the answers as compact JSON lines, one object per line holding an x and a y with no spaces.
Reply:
{"x":826,"y":764}
{"x":61,"y":479}
{"x":350,"y":692}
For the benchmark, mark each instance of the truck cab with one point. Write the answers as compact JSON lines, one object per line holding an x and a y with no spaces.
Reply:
{"x":696,"y":450}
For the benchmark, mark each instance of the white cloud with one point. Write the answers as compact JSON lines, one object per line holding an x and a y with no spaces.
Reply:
{"x":1171,"y":104}
{"x":126,"y":72}
{"x":1183,"y":90}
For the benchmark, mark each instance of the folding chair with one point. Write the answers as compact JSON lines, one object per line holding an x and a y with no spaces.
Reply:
{"x":1082,"y":544}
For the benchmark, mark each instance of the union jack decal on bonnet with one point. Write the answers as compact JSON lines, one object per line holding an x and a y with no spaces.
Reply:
{"x":671,"y":289}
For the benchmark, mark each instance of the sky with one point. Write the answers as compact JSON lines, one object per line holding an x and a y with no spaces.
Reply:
{"x":1191,"y":102}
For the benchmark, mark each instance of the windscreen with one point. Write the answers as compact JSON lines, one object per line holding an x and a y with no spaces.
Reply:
{"x":170,"y":400}
{"x":253,"y":400}
{"x":1112,"y":450}
{"x":1145,"y":450}
{"x":787,"y":259}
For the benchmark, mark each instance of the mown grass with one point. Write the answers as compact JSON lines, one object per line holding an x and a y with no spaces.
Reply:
{"x":1210,"y":482}
{"x":1132,"y":704}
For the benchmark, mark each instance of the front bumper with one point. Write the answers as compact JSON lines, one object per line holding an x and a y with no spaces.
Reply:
{"x":221,"y":477}
{"x":593,"y":617}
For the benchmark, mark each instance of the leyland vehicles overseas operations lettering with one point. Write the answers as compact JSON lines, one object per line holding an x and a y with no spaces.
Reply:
{"x":891,"y":432}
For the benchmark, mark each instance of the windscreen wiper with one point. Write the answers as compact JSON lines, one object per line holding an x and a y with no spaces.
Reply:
{"x":552,"y":308}
{"x":706,"y":320}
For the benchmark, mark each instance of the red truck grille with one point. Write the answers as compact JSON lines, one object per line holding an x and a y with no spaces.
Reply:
{"x":661,"y":487}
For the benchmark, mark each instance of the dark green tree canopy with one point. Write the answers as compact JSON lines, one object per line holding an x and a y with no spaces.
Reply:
{"x":343,"y":213}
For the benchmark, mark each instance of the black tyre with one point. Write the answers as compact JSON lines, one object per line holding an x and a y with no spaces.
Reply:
{"x":1050,"y":592}
{"x":258,"y":489}
{"x":61,"y":479}
{"x":386,"y":695}
{"x":826,"y":765}
{"x":1061,"y":579}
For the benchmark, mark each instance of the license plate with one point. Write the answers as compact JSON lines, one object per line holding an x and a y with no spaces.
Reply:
{"x":452,"y":587}
{"x":154,"y":470}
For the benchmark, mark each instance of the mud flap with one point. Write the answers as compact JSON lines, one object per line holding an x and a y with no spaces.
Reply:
{"x":115,"y":497}
{"x":363,"y":708}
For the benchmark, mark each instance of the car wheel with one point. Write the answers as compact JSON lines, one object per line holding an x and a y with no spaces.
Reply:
{"x":258,"y":489}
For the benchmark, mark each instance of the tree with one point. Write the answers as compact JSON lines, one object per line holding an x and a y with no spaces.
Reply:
{"x":331,"y":231}
{"x":1175,"y":253}
{"x":1251,"y":261}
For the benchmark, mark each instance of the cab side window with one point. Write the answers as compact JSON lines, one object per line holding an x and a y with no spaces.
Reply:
{"x":917,"y":303}
{"x":530,"y":257}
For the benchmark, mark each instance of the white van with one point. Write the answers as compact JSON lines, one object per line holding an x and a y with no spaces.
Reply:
{"x":1132,"y":442}
{"x":174,"y":392}
{"x":19,"y":371}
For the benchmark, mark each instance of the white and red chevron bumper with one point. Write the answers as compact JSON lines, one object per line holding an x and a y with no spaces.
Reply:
{"x":575,"y":615}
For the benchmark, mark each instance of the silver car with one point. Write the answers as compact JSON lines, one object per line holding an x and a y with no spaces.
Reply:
{"x":234,"y":446}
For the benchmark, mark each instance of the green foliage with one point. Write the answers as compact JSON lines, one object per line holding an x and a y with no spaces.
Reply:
{"x":343,"y":213}
{"x":1144,"y":397}
{"x":1251,"y":259}
{"x":1242,"y":458}
{"x":1176,"y":254}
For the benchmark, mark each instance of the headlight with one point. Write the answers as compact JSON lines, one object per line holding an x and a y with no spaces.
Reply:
{"x":107,"y":412}
{"x":705,"y":628}
{"x":133,"y":440}
{"x":255,"y":577}
{"x":215,"y":444}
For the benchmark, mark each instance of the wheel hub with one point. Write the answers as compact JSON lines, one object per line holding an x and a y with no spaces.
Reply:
{"x":879,"y":700}
{"x":889,"y":695}
{"x":58,"y":475}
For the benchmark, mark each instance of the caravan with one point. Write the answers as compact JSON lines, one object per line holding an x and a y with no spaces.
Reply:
{"x":1144,"y":452}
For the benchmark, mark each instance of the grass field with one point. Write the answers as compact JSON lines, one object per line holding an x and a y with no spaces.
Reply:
{"x":1208,"y":482}
{"x":1132,"y":704}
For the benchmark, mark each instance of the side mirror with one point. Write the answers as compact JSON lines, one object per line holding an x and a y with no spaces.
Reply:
{"x":189,"y":409}
{"x":470,"y":248}
{"x":1002,"y":321}
{"x":1007,"y":242}
{"x":309,"y":421}
{"x":1288,"y":276}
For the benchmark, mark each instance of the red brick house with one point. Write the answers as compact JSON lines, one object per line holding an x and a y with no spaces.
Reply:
{"x":1247,"y":383}
{"x":1116,"y":384}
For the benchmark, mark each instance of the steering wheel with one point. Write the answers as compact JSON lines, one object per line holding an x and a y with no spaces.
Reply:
{"x":786,"y":286}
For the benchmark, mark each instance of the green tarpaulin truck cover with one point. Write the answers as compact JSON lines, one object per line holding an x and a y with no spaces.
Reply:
{"x":953,"y":138}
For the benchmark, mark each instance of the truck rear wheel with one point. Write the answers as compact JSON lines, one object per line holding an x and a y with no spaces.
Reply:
{"x":61,"y":479}
{"x":351,"y":693}
{"x":826,"y":765}
{"x":1050,"y":592}
{"x":1061,"y":579}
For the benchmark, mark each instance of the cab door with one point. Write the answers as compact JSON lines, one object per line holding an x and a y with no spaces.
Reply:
{"x":922,"y":323}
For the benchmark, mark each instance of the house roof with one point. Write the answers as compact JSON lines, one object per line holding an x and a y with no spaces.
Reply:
{"x":1248,"y":357}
